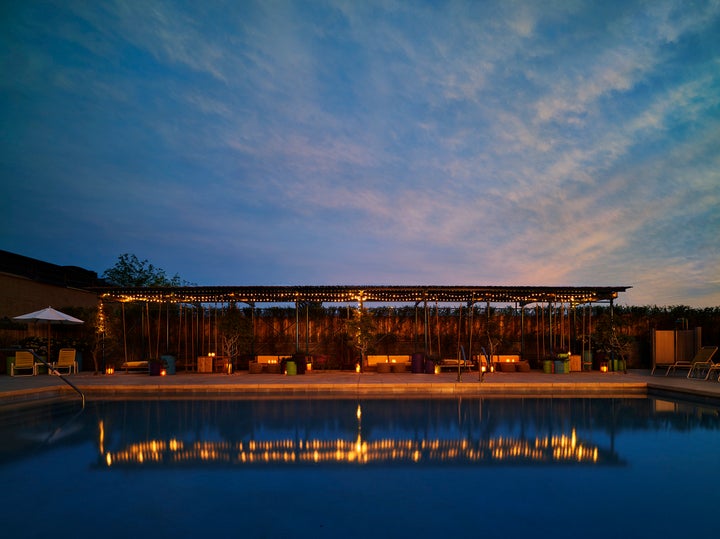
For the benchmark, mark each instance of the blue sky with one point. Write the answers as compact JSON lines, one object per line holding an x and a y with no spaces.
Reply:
{"x":374,"y":142}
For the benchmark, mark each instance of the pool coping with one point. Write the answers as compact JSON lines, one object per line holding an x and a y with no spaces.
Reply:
{"x":340,"y":383}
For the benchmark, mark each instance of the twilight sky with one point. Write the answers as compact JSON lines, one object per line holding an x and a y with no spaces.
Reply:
{"x":368,"y":142}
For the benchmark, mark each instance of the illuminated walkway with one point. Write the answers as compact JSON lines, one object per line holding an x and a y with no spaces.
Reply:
{"x":242,"y":384}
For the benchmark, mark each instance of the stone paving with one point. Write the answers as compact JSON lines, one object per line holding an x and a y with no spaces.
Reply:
{"x":318,"y":383}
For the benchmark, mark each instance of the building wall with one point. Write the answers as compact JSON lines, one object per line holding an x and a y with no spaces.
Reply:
{"x":19,"y":295}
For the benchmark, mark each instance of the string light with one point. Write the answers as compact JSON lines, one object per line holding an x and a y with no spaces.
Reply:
{"x":347,"y":294}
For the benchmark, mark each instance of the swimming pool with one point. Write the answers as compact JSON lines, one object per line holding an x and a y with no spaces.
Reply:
{"x":315,"y":467}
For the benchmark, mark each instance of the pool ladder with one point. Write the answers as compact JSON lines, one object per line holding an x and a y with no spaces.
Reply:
{"x":53,"y":370}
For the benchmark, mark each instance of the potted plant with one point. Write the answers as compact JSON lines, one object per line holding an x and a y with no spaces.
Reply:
{"x":548,"y":364}
{"x":610,"y":344}
{"x":562,"y":363}
{"x":301,"y":360}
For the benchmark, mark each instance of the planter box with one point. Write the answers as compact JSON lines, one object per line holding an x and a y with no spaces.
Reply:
{"x":562,"y":367}
{"x":204,"y":364}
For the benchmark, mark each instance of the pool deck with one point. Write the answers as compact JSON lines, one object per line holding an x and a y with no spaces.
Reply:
{"x":338,"y":383}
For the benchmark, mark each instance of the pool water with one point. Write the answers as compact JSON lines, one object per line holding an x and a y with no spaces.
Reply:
{"x":314,"y":467}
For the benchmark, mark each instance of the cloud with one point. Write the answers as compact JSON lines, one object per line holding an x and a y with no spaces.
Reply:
{"x":479,"y":142}
{"x":634,"y":48}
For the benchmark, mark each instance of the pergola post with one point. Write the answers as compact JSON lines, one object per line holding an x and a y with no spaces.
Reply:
{"x":307,"y":329}
{"x":550,"y":326}
{"x":425,"y":325}
{"x":297,"y":328}
{"x":252,"y":321}
{"x":471,"y":307}
{"x":522,"y":331}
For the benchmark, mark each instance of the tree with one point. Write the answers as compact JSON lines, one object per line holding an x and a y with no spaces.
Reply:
{"x":103,"y":341}
{"x":361,"y":329}
{"x":236,"y":332}
{"x":130,"y":271}
{"x":609,"y":340}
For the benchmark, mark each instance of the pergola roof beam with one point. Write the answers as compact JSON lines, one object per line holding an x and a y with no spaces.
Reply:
{"x":379,"y":294}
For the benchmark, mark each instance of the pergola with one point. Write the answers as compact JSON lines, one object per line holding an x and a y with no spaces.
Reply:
{"x":252,"y":295}
{"x":519,"y":296}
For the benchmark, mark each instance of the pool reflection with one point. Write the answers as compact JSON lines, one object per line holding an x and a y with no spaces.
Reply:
{"x":347,"y":432}
{"x":431,"y":432}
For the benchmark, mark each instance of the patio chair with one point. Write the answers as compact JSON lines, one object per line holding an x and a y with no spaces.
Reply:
{"x":704,"y":368}
{"x":24,"y":361}
{"x":66,"y":360}
{"x":702,"y":357}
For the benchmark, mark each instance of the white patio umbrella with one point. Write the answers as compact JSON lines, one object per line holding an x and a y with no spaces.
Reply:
{"x":48,"y":316}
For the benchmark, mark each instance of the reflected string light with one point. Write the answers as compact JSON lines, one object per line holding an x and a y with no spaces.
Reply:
{"x":543,"y":449}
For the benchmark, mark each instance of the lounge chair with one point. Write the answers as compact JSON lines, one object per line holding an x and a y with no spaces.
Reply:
{"x":713,"y":367}
{"x":703,"y":368}
{"x":702,"y":357}
{"x":24,"y":361}
{"x":453,"y":364}
{"x":66,"y":360}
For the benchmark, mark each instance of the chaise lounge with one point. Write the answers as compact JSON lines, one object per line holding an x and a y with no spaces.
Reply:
{"x":703,"y":364}
{"x":701,"y":360}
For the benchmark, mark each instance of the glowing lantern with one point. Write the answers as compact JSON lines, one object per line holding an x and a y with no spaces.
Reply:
{"x":110,"y":370}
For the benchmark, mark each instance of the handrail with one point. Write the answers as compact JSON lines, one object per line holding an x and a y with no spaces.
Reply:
{"x":50,"y":368}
